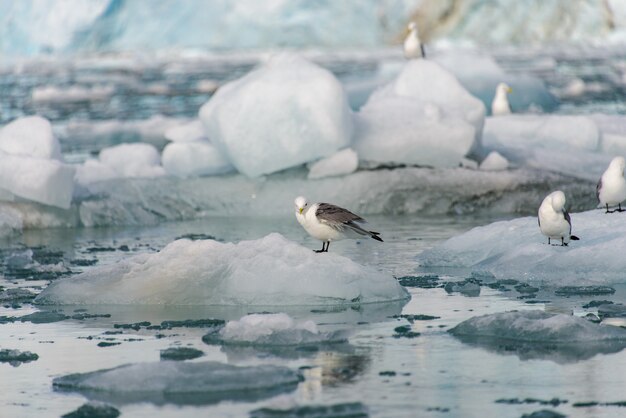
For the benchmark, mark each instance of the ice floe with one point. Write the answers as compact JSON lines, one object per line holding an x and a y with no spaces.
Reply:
{"x":343,"y":162}
{"x":304,"y":116}
{"x":10,"y":223}
{"x":180,"y":382}
{"x":207,"y":272}
{"x":539,"y":334}
{"x":30,"y":136}
{"x":423,"y":117}
{"x":194,"y":158}
{"x":516,"y":249}
{"x":272,"y":330}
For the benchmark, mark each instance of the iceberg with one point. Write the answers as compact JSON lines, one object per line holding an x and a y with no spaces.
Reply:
{"x":494,"y":161}
{"x":10,"y":223}
{"x":194,"y":158}
{"x":423,"y":117}
{"x":516,"y":249}
{"x":277,"y":329}
{"x":30,"y":136}
{"x":207,"y":272}
{"x":538,"y":334}
{"x":189,"y":131}
{"x":180,"y":382}
{"x":286,"y":112}
{"x":343,"y":162}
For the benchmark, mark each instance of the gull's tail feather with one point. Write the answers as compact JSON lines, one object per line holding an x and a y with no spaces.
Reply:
{"x":357,"y":228}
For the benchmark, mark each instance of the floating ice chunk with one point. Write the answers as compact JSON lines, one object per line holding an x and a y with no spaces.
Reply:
{"x":537,"y":326}
{"x":286,"y":112}
{"x":189,"y":131}
{"x":494,"y":162}
{"x":343,"y":162}
{"x":194,"y":158}
{"x":30,"y":136}
{"x":517,"y":250}
{"x":613,"y":128}
{"x":71,"y":94}
{"x":181,"y":382}
{"x":272,"y":330}
{"x":340,"y":410}
{"x":422,"y":117}
{"x":122,"y":161}
{"x":41,"y":180}
{"x":10,"y":222}
{"x":16,"y":356}
{"x":94,"y":409}
{"x":211,"y":273}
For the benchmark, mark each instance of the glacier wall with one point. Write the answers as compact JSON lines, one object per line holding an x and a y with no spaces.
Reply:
{"x":31,"y":27}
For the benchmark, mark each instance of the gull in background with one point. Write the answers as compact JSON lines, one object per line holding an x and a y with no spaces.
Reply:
{"x":413,"y":48}
{"x":611,"y":189}
{"x":500,"y":104}
{"x":554,"y":221}
{"x":328,"y":223}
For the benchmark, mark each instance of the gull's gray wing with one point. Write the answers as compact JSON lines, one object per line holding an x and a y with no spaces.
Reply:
{"x":598,"y":188}
{"x":340,"y":219}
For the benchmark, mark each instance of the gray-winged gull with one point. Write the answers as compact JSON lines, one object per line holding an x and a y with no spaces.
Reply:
{"x":413,"y":47}
{"x":328,"y":223}
{"x":611,"y":189}
{"x":500,"y":104}
{"x":554,"y":221}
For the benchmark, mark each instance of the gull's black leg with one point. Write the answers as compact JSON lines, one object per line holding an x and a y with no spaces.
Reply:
{"x":327,"y":245}
{"x":548,"y":240}
{"x":563,"y":243}
{"x":607,"y":208}
{"x":322,"y":250}
{"x":619,"y":208}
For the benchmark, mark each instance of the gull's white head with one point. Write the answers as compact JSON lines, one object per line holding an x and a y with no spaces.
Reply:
{"x":301,"y":204}
{"x":618,"y":164}
{"x":503,"y":88}
{"x":412,"y":26}
{"x":558,"y":201}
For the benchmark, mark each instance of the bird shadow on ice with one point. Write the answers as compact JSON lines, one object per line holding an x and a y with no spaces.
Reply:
{"x":560,"y":353}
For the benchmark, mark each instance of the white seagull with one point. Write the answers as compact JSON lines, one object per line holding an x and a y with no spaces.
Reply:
{"x":554,"y":221}
{"x":611,"y":189}
{"x":328,"y":222}
{"x":413,"y":48}
{"x":500,"y":104}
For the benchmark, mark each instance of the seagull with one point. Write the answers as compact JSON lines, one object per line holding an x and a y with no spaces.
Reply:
{"x":611,"y":189}
{"x":413,"y":48}
{"x":500,"y":104}
{"x":328,"y":223}
{"x":554,"y":221}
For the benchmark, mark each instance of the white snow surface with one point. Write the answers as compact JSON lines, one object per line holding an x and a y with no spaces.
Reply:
{"x":40,"y":180}
{"x":537,"y":326}
{"x":177,"y":377}
{"x":516,"y":249}
{"x":423,"y":117}
{"x":268,"y":271}
{"x":194,"y":158}
{"x":277,"y":329}
{"x":30,"y":136}
{"x":286,"y":112}
{"x":342,"y":162}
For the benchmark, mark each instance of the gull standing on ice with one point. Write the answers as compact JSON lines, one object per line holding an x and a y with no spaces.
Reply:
{"x":611,"y":189}
{"x":328,"y":222}
{"x":554,"y":221}
{"x":413,"y":48}
{"x":500,"y":104}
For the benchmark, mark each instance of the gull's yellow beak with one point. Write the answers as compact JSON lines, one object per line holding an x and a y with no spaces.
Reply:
{"x":509,"y":90}
{"x":301,"y":209}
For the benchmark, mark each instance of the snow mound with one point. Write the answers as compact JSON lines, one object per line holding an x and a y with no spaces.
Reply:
{"x":121,"y":161}
{"x":287,"y":112}
{"x":30,"y":136}
{"x":343,"y":162}
{"x":423,"y":117}
{"x":272,"y":330}
{"x":180,"y":382}
{"x":268,"y":271}
{"x":194,"y":158}
{"x":537,"y":326}
{"x":494,"y":161}
{"x":516,"y":249}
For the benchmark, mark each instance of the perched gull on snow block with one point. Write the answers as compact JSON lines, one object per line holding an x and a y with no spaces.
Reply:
{"x":413,"y":47}
{"x":328,"y":222}
{"x":554,"y":221}
{"x":611,"y":189}
{"x":500,"y":104}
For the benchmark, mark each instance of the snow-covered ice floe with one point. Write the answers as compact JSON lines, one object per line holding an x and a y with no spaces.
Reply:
{"x":422,"y":117}
{"x":539,"y":334}
{"x":267,"y":271}
{"x":277,"y":329}
{"x":181,"y":382}
{"x":516,"y":249}
{"x":287,"y":112}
